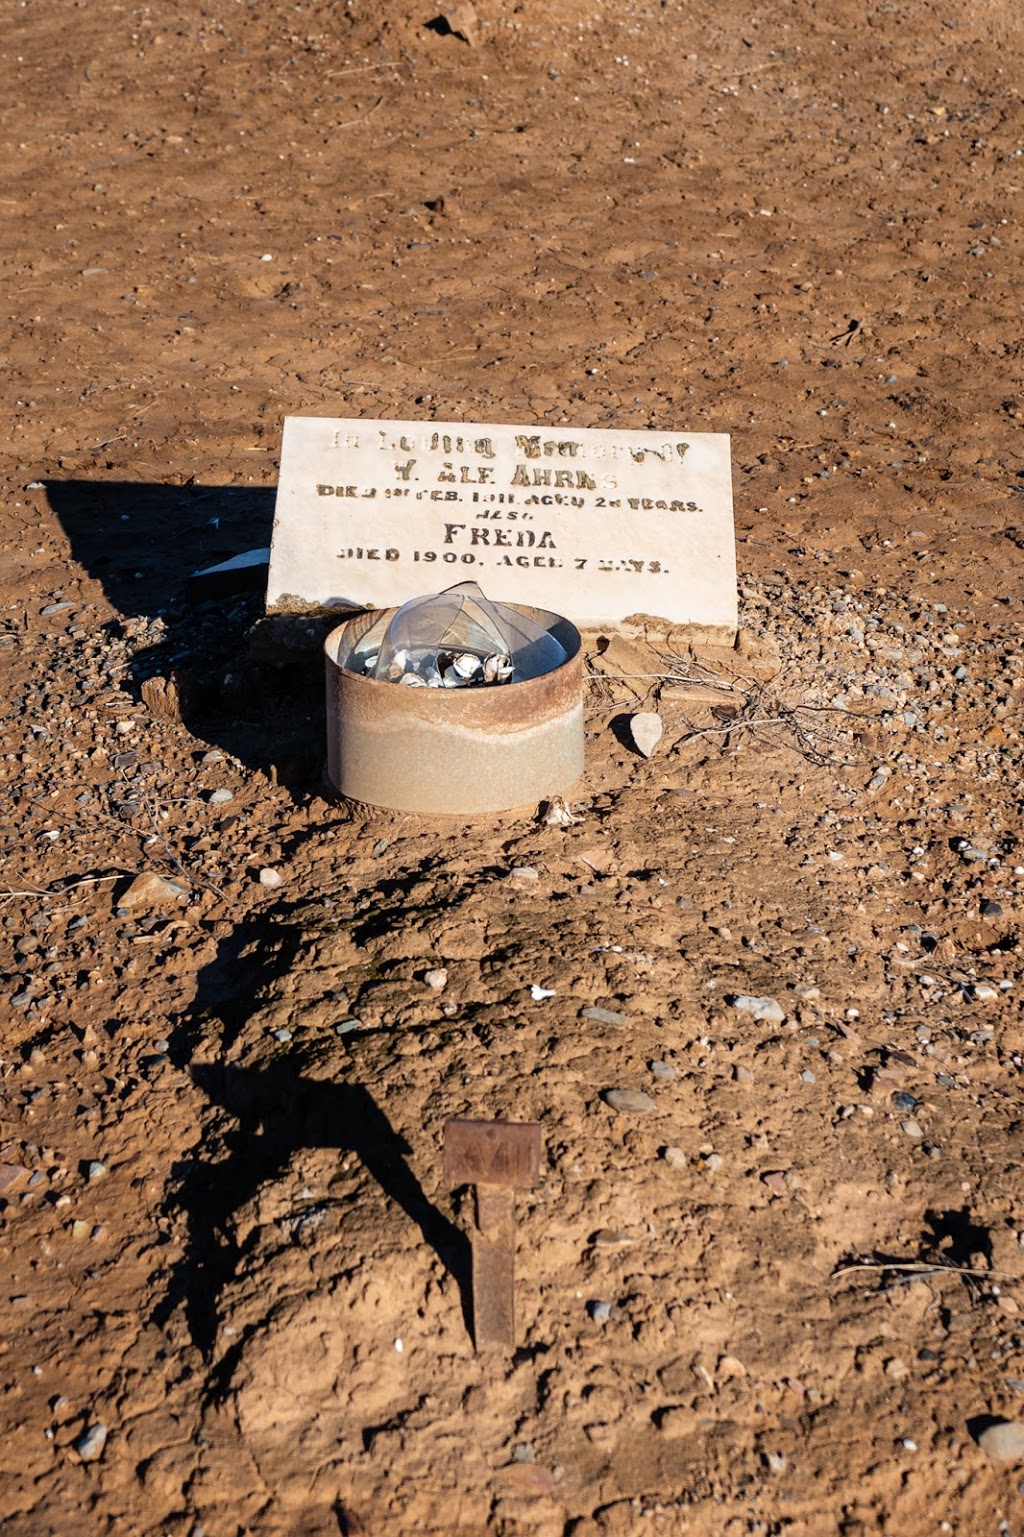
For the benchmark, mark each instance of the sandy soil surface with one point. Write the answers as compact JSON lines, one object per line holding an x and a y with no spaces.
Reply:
{"x":784,"y":1300}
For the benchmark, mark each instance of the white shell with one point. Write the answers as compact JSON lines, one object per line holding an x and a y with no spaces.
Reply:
{"x":497,"y":668}
{"x":467,"y":666}
{"x":558,"y":814}
{"x":412,"y":680}
{"x":397,"y":666}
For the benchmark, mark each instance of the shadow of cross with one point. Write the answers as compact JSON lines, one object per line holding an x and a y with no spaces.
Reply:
{"x":278,"y":1111}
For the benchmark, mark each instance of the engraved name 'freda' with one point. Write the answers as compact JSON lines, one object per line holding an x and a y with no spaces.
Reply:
{"x":502,"y":538}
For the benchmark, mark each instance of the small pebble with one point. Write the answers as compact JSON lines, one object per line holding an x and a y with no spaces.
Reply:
{"x":981,"y":992}
{"x":271,"y":878}
{"x":603,"y":1016}
{"x":220,"y":797}
{"x":436,"y":979}
{"x":1003,"y":1441}
{"x":628,"y":1101}
{"x":742,"y":1074}
{"x":91,"y":1442}
{"x":600,"y":1312}
{"x":766,"y":1010}
{"x":674,"y":1156}
{"x":611,"y":1238}
{"x":712,"y":1162}
{"x":912,"y":1129}
{"x":95,"y":1169}
{"x":663,"y":1070}
{"x":282,"y":1035}
{"x":905,"y":1102}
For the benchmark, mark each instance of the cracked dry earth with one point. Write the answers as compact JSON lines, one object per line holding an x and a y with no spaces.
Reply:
{"x":785,"y":1299}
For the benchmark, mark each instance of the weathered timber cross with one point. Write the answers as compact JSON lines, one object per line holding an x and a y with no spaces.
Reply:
{"x":497,"y":1158}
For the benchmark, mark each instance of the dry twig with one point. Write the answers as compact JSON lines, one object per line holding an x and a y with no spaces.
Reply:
{"x":60,"y":891}
{"x":921,"y":1267}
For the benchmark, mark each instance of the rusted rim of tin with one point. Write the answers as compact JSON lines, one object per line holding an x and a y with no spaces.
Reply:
{"x":457,"y":699}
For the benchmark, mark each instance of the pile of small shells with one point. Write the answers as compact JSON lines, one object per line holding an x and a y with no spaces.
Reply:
{"x":443,"y":669}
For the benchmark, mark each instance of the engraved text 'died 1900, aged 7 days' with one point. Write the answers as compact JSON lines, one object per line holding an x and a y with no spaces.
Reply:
{"x":593,"y":524}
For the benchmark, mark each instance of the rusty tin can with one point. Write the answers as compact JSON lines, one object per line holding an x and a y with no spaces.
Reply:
{"x":458,"y":751}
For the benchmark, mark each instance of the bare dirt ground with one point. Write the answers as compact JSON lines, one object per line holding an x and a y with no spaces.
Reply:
{"x":222,"y":1189}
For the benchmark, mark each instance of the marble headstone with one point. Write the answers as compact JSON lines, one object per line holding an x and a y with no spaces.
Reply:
{"x":594,"y":524}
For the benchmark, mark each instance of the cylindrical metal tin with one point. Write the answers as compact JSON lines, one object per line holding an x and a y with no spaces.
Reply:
{"x":457,"y":751}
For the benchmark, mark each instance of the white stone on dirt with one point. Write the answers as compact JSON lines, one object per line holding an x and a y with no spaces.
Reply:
{"x":436,"y":979}
{"x":220,"y":797}
{"x":766,"y":1010}
{"x":557,"y":814}
{"x":646,"y":730}
{"x":91,"y":1442}
{"x":674,"y":1156}
{"x":628,"y":1101}
{"x":663,"y":1070}
{"x":272,"y":879}
{"x":1003,"y":1442}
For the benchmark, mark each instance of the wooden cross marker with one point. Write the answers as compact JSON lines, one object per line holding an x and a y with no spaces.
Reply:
{"x":497,"y":1157}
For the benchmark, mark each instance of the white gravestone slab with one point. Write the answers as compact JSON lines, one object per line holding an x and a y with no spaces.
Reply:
{"x":596,"y":525}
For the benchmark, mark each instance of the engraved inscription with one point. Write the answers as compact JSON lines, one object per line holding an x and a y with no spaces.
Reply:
{"x":593,"y":523}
